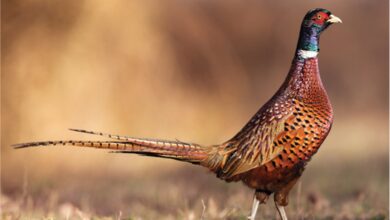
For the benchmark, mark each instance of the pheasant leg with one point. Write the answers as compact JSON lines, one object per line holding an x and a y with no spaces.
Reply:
{"x":281,"y":211}
{"x":255,"y":206}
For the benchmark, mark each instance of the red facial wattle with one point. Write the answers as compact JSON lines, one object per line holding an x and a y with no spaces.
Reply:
{"x":320,"y":18}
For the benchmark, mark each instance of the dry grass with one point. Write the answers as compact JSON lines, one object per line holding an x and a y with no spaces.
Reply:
{"x":192,"y":70}
{"x":179,"y":193}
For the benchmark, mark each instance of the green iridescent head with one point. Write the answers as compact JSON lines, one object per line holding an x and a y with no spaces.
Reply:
{"x":313,"y":24}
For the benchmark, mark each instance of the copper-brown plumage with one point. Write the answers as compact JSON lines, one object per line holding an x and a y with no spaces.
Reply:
{"x":269,"y":154}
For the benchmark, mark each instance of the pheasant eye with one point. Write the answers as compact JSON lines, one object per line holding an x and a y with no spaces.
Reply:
{"x":319,"y":17}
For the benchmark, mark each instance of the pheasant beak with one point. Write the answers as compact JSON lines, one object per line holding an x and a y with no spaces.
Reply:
{"x":333,"y":19}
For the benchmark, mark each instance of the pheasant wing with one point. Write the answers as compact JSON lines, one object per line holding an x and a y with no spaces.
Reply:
{"x":260,"y":141}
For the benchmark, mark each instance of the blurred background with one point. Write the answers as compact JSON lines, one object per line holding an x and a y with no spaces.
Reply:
{"x":190,"y":70}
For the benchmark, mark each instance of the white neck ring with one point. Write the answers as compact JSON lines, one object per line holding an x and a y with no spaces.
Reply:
{"x":307,"y":54}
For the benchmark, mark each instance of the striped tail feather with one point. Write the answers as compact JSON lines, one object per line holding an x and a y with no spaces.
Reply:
{"x":178,"y":150}
{"x":127,"y":138}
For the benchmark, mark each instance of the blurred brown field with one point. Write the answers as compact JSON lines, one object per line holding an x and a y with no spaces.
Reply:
{"x":189,"y":70}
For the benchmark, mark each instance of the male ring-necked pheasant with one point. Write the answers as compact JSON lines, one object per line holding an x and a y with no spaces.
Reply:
{"x":269,"y":154}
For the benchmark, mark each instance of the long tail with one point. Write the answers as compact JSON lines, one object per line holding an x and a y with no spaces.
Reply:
{"x":178,"y":150}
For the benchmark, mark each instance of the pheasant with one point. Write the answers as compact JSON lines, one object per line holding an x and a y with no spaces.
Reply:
{"x":270,"y":153}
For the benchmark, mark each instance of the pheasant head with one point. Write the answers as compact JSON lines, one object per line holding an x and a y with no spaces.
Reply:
{"x":313,"y":24}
